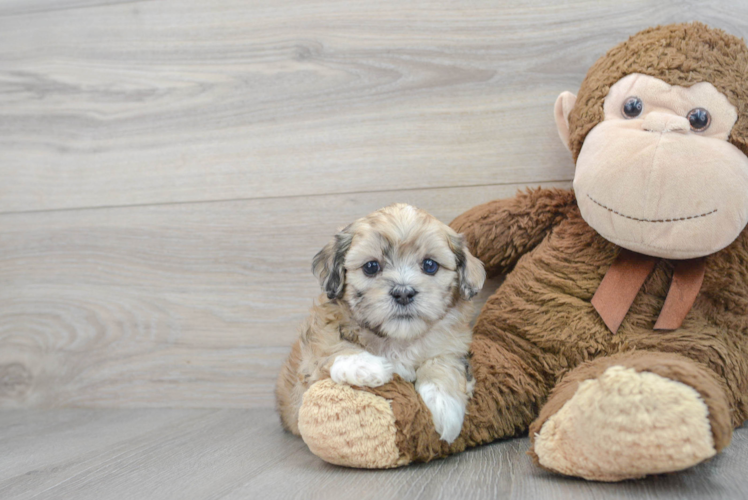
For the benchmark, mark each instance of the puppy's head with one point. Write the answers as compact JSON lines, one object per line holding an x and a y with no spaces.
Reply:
{"x":400,"y":270}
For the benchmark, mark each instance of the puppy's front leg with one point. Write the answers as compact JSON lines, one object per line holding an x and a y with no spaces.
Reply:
{"x":443,"y":386}
{"x":362,"y":369}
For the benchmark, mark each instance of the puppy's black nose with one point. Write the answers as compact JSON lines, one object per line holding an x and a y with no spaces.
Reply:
{"x":403,"y":294}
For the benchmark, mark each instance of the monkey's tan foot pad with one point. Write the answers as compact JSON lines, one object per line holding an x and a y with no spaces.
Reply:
{"x":345,"y":426}
{"x":625,"y":425}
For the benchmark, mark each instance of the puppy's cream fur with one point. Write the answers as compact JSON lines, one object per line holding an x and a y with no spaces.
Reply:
{"x":358,"y":334}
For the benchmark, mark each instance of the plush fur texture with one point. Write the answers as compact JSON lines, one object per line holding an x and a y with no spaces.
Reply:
{"x":539,"y":347}
{"x":679,"y":54}
{"x":695,"y":422}
{"x":540,"y":332}
{"x":371,"y":445}
{"x":624,"y":424}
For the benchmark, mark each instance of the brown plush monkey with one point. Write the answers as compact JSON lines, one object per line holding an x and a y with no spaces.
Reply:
{"x":652,"y":375}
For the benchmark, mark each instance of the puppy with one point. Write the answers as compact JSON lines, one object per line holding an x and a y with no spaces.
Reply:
{"x":398,"y":284}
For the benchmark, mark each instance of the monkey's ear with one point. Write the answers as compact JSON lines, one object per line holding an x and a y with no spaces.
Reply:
{"x":470,"y":272}
{"x":328,"y":265}
{"x":564,"y":105}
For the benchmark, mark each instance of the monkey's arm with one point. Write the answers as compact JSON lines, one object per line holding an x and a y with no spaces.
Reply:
{"x":501,"y":231}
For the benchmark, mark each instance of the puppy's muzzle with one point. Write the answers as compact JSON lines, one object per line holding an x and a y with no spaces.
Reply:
{"x":403,"y":295}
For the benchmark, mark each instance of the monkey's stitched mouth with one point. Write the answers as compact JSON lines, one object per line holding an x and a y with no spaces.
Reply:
{"x":674,"y":219}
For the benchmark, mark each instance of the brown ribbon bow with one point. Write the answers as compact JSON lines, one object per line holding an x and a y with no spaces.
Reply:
{"x":626,"y":276}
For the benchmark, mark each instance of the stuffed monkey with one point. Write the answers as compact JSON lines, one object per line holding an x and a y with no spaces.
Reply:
{"x":619,"y":338}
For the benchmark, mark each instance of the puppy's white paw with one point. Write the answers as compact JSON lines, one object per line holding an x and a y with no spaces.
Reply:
{"x":363,"y":369}
{"x":447,"y":411}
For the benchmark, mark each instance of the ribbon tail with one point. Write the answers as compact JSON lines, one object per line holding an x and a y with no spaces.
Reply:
{"x":621,"y":284}
{"x":688,"y":275}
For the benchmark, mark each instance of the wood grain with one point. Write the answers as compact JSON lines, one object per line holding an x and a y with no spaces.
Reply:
{"x":169,"y":168}
{"x":131,"y":103}
{"x":175,"y":305}
{"x":237,"y":454}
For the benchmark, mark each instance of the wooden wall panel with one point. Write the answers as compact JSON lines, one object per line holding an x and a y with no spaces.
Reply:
{"x":168,"y":168}
{"x":186,"y":305}
{"x":184,"y":100}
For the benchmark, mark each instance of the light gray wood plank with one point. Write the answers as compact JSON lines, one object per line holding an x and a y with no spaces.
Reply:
{"x":177,"y":305}
{"x":29,"y":7}
{"x":238,"y":454}
{"x":186,"y":100}
{"x":44,"y":448}
{"x":139,"y":454}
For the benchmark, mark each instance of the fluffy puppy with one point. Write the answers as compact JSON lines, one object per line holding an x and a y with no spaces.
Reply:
{"x":398,"y":284}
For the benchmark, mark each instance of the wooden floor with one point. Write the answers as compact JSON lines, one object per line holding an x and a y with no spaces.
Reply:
{"x":183,"y":454}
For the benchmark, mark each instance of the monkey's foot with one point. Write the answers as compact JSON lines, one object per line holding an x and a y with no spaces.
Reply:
{"x":625,"y":424}
{"x":349,"y":427}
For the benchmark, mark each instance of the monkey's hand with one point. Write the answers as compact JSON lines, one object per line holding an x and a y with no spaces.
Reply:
{"x":501,"y":231}
{"x":363,"y":369}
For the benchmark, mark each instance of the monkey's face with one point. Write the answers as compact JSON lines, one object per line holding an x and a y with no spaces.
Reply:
{"x":658,"y":176}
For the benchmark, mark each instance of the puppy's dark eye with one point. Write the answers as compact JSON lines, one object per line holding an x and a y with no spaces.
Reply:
{"x":699,"y":119}
{"x":429,"y":266}
{"x":371,"y":268}
{"x":632,"y":107}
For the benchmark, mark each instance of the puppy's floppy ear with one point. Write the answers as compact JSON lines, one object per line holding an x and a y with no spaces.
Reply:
{"x":470,"y":270}
{"x":328,"y":264}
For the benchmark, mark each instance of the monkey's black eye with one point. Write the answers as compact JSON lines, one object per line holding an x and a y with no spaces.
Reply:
{"x":632,"y":107}
{"x":371,"y":268}
{"x":699,"y":118}
{"x":429,"y":266}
